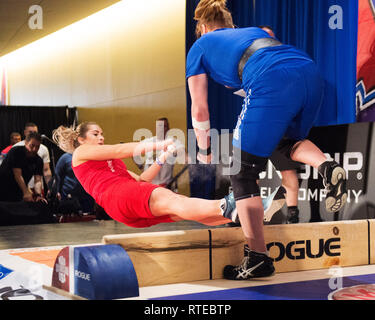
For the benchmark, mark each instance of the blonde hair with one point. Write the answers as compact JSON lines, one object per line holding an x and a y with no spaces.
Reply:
{"x":213,"y":13}
{"x":67,"y":137}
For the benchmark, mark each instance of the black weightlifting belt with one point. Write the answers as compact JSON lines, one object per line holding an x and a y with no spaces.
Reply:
{"x":255,"y":46}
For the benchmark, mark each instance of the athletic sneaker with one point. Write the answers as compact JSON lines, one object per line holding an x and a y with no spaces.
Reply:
{"x":228,"y":207}
{"x":334,"y":180}
{"x":254,"y":265}
{"x":273,"y":203}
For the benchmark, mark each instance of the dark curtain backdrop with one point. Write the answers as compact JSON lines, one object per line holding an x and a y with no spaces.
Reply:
{"x":304,"y":24}
{"x":14,"y":118}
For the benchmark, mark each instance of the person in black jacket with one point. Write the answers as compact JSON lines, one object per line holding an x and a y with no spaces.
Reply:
{"x":21,"y":164}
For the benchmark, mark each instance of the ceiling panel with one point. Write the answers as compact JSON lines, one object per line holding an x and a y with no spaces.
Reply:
{"x":14,"y":19}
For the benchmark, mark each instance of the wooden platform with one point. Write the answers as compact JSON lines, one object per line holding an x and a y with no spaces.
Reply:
{"x":176,"y":257}
{"x":193,"y":255}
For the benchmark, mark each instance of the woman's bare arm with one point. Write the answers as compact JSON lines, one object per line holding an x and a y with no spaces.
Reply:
{"x":87,"y":152}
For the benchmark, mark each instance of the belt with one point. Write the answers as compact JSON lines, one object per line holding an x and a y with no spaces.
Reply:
{"x":256,"y":45}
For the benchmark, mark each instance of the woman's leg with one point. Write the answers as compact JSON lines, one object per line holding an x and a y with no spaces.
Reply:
{"x":165,"y":202}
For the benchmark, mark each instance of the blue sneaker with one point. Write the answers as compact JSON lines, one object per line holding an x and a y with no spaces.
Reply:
{"x":228,"y":207}
{"x":273,"y":203}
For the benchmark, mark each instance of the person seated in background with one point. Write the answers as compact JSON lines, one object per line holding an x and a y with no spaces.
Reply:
{"x":67,"y":187}
{"x":42,"y":152}
{"x":20,"y":165}
{"x":14,"y":138}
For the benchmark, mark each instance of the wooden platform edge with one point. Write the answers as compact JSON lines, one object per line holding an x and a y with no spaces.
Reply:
{"x":371,"y":241}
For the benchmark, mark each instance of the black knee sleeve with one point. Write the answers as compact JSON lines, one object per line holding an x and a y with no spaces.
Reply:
{"x":286,"y":147}
{"x":244,"y":183}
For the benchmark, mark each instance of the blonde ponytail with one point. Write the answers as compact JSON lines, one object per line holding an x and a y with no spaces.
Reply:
{"x":67,"y":137}
{"x":213,"y":13}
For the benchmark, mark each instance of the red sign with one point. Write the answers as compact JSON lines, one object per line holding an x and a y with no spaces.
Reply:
{"x":60,"y":275}
{"x":360,"y":292}
{"x":366,"y":61}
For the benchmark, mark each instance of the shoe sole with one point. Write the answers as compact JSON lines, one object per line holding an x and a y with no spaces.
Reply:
{"x":249,"y":277}
{"x":277,"y":203}
{"x":335,"y":202}
{"x":263,"y":276}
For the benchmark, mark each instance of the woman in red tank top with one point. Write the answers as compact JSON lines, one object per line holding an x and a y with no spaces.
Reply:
{"x":127,"y":197}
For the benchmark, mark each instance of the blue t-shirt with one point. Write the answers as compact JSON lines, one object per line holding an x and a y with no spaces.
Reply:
{"x":67,"y":183}
{"x":66,"y":180}
{"x":218,"y":53}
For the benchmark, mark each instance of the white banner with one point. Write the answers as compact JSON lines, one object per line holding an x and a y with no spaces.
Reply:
{"x":15,"y":285}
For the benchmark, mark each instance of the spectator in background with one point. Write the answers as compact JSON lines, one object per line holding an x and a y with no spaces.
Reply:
{"x":289,"y":180}
{"x":20,"y":165}
{"x":67,"y":185}
{"x":269,"y":30}
{"x":165,"y":175}
{"x":43,"y":153}
{"x":14,"y":138}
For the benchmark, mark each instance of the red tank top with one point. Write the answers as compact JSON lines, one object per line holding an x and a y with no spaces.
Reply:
{"x":96,"y":176}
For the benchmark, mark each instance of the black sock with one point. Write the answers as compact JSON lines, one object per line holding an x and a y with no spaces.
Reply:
{"x":292,"y":211}
{"x":293,"y":214}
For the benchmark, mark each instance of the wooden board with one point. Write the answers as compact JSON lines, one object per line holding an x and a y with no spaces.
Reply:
{"x":227,"y":248}
{"x":320,"y":245}
{"x":166,"y":257}
{"x":372,"y":241}
{"x":304,"y":246}
{"x":191,"y":255}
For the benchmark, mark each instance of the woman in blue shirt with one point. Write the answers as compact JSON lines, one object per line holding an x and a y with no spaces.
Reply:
{"x":283,"y":96}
